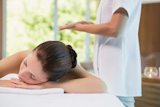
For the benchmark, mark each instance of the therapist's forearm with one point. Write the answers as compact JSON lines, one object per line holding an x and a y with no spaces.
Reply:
{"x":105,"y":29}
{"x":81,"y":85}
{"x":114,"y":28}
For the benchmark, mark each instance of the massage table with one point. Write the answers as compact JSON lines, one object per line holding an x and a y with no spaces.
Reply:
{"x":54,"y":97}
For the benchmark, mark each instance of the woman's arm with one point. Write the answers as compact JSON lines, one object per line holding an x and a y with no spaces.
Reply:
{"x":114,"y":28}
{"x":6,"y":83}
{"x":76,"y":81}
{"x":12,"y":63}
{"x":79,"y":81}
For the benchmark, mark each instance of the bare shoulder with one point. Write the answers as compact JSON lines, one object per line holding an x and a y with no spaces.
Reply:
{"x":12,"y":63}
{"x":77,"y":72}
{"x":23,"y":54}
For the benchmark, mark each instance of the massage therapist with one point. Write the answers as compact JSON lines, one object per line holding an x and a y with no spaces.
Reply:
{"x":116,"y":49}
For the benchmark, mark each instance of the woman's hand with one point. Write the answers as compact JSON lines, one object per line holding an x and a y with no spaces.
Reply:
{"x":72,"y":26}
{"x":19,"y":84}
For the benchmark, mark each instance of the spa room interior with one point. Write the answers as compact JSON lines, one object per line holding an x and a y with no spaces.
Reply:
{"x":149,"y":39}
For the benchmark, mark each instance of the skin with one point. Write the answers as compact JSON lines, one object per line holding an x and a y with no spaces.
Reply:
{"x":114,"y":28}
{"x":31,"y":76}
{"x":6,"y":83}
{"x":77,"y":80}
{"x":31,"y":70}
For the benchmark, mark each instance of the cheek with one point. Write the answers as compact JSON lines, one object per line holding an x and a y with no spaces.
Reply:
{"x":22,"y":67}
{"x":22,"y":74}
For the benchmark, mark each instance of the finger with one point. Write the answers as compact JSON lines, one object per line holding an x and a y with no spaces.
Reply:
{"x":91,"y":22}
{"x":16,"y":85}
{"x":81,"y":22}
{"x":19,"y":86}
{"x":61,"y":28}
{"x":16,"y":81}
{"x":27,"y":86}
{"x":66,"y":27}
{"x":69,"y":26}
{"x":23,"y":86}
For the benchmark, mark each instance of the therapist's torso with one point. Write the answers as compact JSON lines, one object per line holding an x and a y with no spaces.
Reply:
{"x":117,"y":60}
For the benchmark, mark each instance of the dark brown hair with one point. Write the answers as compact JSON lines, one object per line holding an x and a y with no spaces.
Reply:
{"x":56,"y":58}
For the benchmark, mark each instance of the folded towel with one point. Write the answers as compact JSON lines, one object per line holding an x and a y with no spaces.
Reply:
{"x":9,"y":76}
{"x":7,"y":90}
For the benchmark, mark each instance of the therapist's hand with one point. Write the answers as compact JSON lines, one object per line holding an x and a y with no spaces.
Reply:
{"x":75,"y":25}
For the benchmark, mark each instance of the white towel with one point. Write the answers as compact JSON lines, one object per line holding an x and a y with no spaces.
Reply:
{"x":9,"y":76}
{"x":7,"y":90}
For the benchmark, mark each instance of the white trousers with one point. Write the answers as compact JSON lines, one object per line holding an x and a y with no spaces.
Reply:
{"x":127,"y":101}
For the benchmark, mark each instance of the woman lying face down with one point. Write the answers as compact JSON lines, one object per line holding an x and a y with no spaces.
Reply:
{"x":31,"y":71}
{"x":52,"y":64}
{"x":48,"y":61}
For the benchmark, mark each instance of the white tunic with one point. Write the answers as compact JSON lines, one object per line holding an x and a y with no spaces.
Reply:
{"x":117,"y":60}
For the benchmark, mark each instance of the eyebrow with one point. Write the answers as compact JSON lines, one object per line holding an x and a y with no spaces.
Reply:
{"x":25,"y":62}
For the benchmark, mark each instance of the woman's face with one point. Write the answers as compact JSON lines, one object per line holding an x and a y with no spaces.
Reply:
{"x":31,"y":70}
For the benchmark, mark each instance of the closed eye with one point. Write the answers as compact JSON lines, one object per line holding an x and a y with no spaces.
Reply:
{"x":33,"y":77}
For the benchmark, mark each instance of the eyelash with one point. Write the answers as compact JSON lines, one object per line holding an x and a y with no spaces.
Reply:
{"x":32,"y":77}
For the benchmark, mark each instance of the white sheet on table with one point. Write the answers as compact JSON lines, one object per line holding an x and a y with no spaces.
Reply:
{"x":10,"y":97}
{"x":31,"y":92}
{"x":9,"y":76}
{"x":60,"y":100}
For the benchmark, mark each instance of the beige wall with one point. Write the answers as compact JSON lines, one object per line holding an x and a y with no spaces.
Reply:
{"x":149,"y":35}
{"x":1,"y":26}
{"x":149,"y":32}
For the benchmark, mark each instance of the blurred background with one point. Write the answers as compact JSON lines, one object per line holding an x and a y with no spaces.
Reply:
{"x":31,"y":22}
{"x":26,"y":23}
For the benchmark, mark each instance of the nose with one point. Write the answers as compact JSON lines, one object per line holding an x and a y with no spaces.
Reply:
{"x":22,"y":76}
